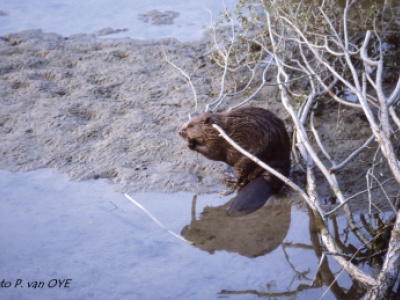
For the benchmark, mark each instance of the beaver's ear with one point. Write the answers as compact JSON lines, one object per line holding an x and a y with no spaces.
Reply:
{"x":208,"y":120}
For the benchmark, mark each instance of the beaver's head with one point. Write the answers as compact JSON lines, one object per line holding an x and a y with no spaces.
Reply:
{"x":198,"y":130}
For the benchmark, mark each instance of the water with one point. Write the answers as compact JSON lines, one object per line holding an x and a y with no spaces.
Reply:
{"x":67,"y":17}
{"x":53,"y":230}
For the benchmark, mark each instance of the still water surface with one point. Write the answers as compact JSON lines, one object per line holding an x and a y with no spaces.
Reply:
{"x":51,"y":228}
{"x":67,"y":17}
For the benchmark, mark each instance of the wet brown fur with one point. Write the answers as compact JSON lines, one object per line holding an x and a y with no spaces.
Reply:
{"x":257,"y":130}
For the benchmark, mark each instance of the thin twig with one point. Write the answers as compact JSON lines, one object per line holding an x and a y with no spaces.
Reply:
{"x":155,"y":219}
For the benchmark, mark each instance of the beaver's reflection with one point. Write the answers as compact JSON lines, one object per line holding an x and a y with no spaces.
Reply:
{"x":251,"y":235}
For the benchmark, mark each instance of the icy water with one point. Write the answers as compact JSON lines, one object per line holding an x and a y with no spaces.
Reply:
{"x":68,"y":17}
{"x":69,"y":240}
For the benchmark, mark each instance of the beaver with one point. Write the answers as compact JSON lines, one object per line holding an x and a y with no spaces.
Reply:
{"x":258,"y":131}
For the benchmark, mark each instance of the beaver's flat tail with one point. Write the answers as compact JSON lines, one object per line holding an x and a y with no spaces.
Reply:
{"x":250,"y":198}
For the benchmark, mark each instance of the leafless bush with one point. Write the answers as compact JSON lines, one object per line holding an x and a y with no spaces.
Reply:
{"x":325,"y":54}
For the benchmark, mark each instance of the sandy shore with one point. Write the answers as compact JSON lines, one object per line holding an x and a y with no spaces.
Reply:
{"x":97,"y":108}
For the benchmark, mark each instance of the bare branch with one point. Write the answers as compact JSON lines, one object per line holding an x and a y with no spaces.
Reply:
{"x":188,"y":79}
{"x":335,"y":168}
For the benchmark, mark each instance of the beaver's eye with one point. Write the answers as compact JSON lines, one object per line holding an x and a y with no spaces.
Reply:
{"x":190,"y":125}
